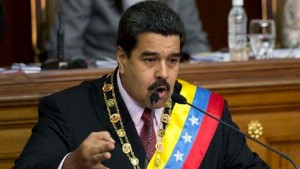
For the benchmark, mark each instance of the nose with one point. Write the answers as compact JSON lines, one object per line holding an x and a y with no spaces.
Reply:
{"x":162,"y":70}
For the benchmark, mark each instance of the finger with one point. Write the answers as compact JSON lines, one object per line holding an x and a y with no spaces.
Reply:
{"x":97,"y":143}
{"x":101,"y":147}
{"x":104,"y":135}
{"x":98,"y":158}
{"x":99,"y":166}
{"x":102,"y":167}
{"x":106,"y":147}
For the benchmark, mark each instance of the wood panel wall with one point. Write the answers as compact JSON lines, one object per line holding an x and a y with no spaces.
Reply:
{"x":266,"y":91}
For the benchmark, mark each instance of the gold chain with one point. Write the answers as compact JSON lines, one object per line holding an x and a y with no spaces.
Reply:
{"x":116,"y":120}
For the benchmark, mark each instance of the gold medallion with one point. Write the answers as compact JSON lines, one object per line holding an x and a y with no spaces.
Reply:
{"x":168,"y":104}
{"x":121,"y":133}
{"x":107,"y":87}
{"x":161,"y":132}
{"x":111,"y":102}
{"x":165,"y":118}
{"x":114,"y":117}
{"x":134,"y":161}
{"x":159,"y":147}
{"x":126,"y":148}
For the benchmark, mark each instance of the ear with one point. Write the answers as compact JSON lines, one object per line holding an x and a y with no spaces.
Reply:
{"x":121,"y":59}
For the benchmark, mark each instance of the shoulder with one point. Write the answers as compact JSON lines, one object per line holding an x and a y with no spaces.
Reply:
{"x":79,"y":92}
{"x":184,"y":85}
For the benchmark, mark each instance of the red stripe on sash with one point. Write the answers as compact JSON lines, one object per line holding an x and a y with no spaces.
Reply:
{"x":206,"y":132}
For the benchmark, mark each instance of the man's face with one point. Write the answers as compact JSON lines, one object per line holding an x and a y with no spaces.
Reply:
{"x":153,"y":66}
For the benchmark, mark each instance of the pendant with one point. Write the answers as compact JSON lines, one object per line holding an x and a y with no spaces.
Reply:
{"x":161,"y":132}
{"x":159,"y":147}
{"x":111,"y":102}
{"x":126,"y":148}
{"x":115,"y":117}
{"x":107,"y":87}
{"x":134,"y":161}
{"x":165,"y":118}
{"x":168,"y":104}
{"x":121,"y":133}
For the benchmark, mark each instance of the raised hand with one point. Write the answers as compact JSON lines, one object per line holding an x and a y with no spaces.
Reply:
{"x":91,"y":152}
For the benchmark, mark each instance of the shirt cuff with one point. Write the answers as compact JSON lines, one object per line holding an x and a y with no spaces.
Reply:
{"x":62,"y":161}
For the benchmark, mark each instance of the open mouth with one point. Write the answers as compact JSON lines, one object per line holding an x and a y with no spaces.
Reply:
{"x":162,"y":87}
{"x":161,"y":90}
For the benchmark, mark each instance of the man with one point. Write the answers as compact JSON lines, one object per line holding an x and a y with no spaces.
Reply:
{"x":104,"y":123}
{"x":90,"y":28}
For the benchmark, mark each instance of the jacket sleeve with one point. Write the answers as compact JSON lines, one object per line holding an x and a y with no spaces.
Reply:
{"x":237,"y":154}
{"x":51,"y":138}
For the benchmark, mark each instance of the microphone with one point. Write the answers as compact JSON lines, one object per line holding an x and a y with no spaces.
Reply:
{"x":77,"y":64}
{"x":182,"y":100}
{"x":59,"y":62}
{"x":153,"y":99}
{"x":60,"y":34}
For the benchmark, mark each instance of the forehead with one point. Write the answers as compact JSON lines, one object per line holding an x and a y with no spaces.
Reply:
{"x":151,"y":40}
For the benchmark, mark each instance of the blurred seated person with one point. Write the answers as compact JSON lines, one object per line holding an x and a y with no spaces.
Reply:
{"x":291,"y":28}
{"x":90,"y":28}
{"x":105,"y":123}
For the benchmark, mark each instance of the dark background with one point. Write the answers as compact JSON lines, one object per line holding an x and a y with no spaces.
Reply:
{"x":16,"y":44}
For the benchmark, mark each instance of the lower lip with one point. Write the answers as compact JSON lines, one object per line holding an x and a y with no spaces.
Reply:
{"x":162,"y":94}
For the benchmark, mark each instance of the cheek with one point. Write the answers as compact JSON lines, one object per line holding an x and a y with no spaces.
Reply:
{"x":143,"y":82}
{"x":138,"y":79}
{"x":172,"y":78}
{"x":173,"y":74}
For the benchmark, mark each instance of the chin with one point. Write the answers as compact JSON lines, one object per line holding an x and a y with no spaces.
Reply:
{"x":160,"y":104}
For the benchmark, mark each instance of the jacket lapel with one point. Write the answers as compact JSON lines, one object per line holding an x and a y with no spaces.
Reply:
{"x":119,"y":158}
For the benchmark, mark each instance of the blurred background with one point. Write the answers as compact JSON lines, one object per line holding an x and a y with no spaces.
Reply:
{"x":26,"y":23}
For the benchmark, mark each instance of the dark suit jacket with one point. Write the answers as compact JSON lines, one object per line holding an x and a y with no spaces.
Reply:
{"x":68,"y":117}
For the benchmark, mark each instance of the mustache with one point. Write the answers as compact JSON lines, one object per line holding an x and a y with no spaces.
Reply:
{"x":158,"y":83}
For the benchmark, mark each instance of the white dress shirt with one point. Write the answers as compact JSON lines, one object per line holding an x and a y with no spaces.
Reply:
{"x":136,"y":111}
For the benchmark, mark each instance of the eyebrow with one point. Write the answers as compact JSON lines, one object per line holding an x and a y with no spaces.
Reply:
{"x":177,"y":54}
{"x":148,"y":53}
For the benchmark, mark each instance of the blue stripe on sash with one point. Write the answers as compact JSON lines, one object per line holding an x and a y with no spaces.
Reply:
{"x":183,"y":146}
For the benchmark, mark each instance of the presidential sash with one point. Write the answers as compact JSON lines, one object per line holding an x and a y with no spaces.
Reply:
{"x":189,"y":132}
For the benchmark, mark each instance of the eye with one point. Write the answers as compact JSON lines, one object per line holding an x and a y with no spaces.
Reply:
{"x":150,"y":60}
{"x":174,"y":60}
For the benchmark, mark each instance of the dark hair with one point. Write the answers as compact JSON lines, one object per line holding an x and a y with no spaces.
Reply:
{"x":148,"y":16}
